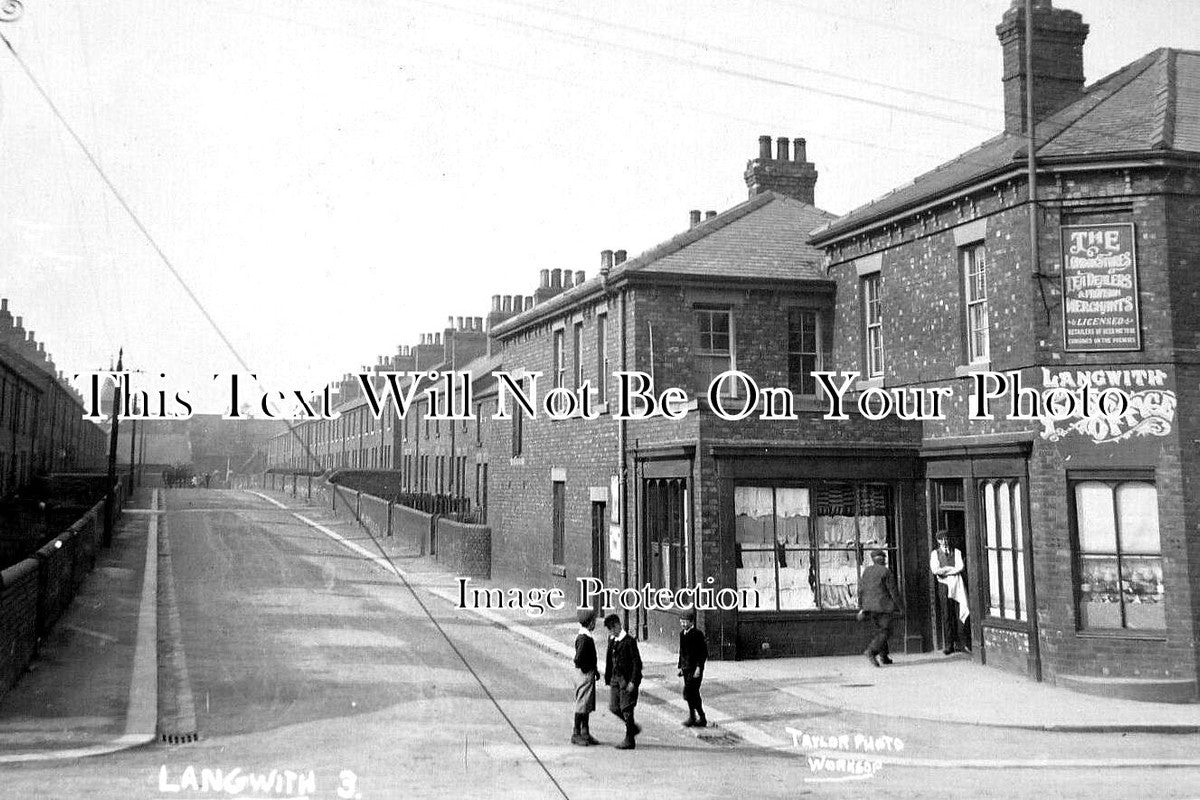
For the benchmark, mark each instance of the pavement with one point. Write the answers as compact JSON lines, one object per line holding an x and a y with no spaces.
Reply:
{"x":91,"y":690}
{"x":926,"y":687}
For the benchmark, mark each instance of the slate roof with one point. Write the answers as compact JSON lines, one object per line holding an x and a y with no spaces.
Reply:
{"x":762,"y":238}
{"x":1151,"y":105}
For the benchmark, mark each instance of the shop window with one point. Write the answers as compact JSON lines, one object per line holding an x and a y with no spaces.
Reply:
{"x":804,"y":350}
{"x":872,"y":325}
{"x":666,"y":509}
{"x":558,"y":521}
{"x":1004,"y":540}
{"x":1120,"y":584}
{"x":974,"y":267}
{"x":715,"y":348}
{"x":803,"y":548}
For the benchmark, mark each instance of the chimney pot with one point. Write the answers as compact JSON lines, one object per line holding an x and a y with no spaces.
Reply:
{"x":709,"y":214}
{"x":556,"y":279}
{"x":781,"y":149}
{"x":4,"y":304}
{"x":693,"y":218}
{"x":567,"y":278}
{"x":459,"y":323}
{"x":518,"y":303}
{"x":580,"y":275}
{"x":529,"y":302}
{"x":800,"y":150}
{"x":479,"y":323}
{"x":764,"y":148}
{"x":619,"y":257}
{"x":508,"y":305}
{"x":545,"y":279}
{"x":495,"y":302}
{"x":606,"y":260}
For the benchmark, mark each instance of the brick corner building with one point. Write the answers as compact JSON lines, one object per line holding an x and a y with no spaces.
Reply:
{"x":1082,"y":533}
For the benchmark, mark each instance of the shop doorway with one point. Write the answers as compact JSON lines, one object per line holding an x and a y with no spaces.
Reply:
{"x":949,"y":514}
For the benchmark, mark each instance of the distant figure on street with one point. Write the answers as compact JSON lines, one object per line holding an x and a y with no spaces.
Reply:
{"x":946,"y":563}
{"x":879,"y":601}
{"x":623,"y":676}
{"x":207,"y":479}
{"x":693,"y":653}
{"x":585,"y":677}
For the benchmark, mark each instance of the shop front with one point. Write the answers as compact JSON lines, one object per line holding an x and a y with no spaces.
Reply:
{"x":978,"y":493}
{"x":796,"y":529}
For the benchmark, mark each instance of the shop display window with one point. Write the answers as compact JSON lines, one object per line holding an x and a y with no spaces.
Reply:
{"x":1120,"y":566}
{"x":1004,"y":540}
{"x":803,"y":548}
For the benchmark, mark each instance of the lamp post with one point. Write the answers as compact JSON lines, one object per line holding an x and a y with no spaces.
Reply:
{"x":109,"y":496}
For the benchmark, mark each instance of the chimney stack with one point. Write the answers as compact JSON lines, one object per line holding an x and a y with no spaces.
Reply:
{"x":580,"y":275}
{"x":709,"y":215}
{"x":693,"y":218}
{"x":619,"y":257}
{"x":1058,"y":37}
{"x":794,"y":177}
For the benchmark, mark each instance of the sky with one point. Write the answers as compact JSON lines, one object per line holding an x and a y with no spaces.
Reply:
{"x":332,"y":179}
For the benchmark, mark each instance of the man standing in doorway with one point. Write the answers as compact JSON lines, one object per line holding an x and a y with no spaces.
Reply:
{"x":879,"y":601}
{"x":946,"y":563}
{"x":623,"y":674}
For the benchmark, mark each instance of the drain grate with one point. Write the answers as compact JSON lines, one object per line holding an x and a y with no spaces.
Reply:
{"x":719,"y":738}
{"x":179,"y":738}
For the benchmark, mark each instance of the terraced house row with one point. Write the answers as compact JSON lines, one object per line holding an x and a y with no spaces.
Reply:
{"x":1079,"y":533}
{"x":42,"y":429}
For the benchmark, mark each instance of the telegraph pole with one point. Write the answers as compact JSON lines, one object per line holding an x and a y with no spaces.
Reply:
{"x":133,"y":432}
{"x":110,"y":495}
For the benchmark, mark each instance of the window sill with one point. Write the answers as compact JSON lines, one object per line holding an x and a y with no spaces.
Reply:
{"x":1007,"y":624}
{"x":558,"y":570}
{"x":967,"y":370}
{"x":870,"y":383}
{"x":789,"y":614}
{"x":1123,"y":635}
{"x":517,"y":461}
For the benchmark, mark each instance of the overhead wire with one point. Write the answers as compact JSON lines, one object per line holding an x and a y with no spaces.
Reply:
{"x":292,"y":429}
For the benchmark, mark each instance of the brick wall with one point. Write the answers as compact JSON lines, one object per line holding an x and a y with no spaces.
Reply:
{"x":464,"y":549}
{"x":18,"y":620}
{"x":923,"y":330}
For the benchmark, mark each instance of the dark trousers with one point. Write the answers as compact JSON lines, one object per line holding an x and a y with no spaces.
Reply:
{"x":691,"y":693}
{"x":954,"y":633}
{"x":882,"y":620}
{"x":621,"y":702}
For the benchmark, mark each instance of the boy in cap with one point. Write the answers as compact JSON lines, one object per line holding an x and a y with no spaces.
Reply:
{"x":693,"y":653}
{"x":585,"y":677}
{"x":623,"y":673}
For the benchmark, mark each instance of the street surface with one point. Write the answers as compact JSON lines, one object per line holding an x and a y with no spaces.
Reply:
{"x":302,"y":657}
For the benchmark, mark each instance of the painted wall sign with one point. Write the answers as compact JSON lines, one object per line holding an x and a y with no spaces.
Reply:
{"x":1100,"y":288}
{"x":1150,"y":409}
